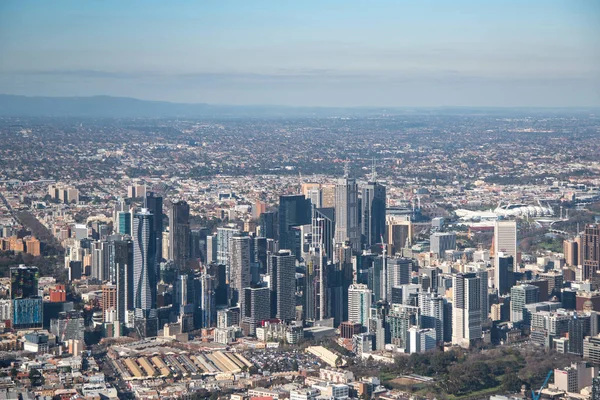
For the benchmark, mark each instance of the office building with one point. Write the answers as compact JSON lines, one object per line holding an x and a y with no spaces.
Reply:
{"x":466,"y":309}
{"x":154,"y":204}
{"x":442,"y":241}
{"x":398,"y":233}
{"x":503,"y":273}
{"x":571,"y":252}
{"x":421,"y":340}
{"x":268,"y":225}
{"x":211,"y":249}
{"x":144,"y":274}
{"x":294,"y":211}
{"x":282,"y":272}
{"x":124,"y":223}
{"x":323,"y":230}
{"x":123,"y":265}
{"x":373,"y":207}
{"x":23,"y":282}
{"x":520,"y":296}
{"x":179,"y":233}
{"x":359,"y":304}
{"x":347,"y":227}
{"x":505,"y":238}
{"x":432,"y":314}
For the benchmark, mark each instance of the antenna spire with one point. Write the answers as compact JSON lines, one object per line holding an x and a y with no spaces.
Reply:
{"x":346,"y":169}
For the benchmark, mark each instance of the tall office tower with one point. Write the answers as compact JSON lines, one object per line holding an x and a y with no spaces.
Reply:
{"x":591,"y":251}
{"x":223,"y":236}
{"x":123,"y":266}
{"x":144,"y":274}
{"x":211,"y":249}
{"x":315,"y":289}
{"x":315,"y":196}
{"x":359,"y":303}
{"x":579,"y":328}
{"x":520,"y":296}
{"x":347,"y":227}
{"x":136,"y":191}
{"x":375,"y":278}
{"x":259,"y":254}
{"x":257,"y":308}
{"x":503,"y":273}
{"x":373,"y":213}
{"x":398,"y":232}
{"x":179,"y":233}
{"x":207,"y":304}
{"x":154,"y":203}
{"x":198,"y":244}
{"x":268,"y":225}
{"x":181,"y":298}
{"x":27,"y":307}
{"x":399,"y":271}
{"x":239,"y":267}
{"x":466,"y":310}
{"x":482,"y":274}
{"x":323,"y":230}
{"x":571,"y":252}
{"x":294,"y":211}
{"x":432,"y":313}
{"x":124,"y":222}
{"x":442,"y":241}
{"x":378,"y":326}
{"x":282,"y":272}
{"x":505,"y":238}
{"x":433,"y":274}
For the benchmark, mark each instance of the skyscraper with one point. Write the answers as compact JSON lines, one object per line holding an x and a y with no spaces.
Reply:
{"x":398,"y":232}
{"x":432,"y":313}
{"x":179,"y":233}
{"x":505,"y":238}
{"x":591,"y":250}
{"x":154,"y":204}
{"x":223,"y":236}
{"x":294,"y":211}
{"x":503,"y":273}
{"x":373,"y":213}
{"x":466,"y":309}
{"x":282,"y":272}
{"x":239,"y":268}
{"x":123,"y":266}
{"x":124,"y":222}
{"x":144,"y":274}
{"x":346,"y":212}
{"x":268,"y":225}
{"x":257,"y":307}
{"x":359,"y":304}
{"x":315,"y":288}
{"x":323,"y":230}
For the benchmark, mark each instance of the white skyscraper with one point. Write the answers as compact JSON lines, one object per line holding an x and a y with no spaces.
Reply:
{"x":346,"y":212}
{"x":505,"y":238}
{"x":359,"y":304}
{"x":239,"y":267}
{"x":432,"y":313}
{"x":144,"y":273}
{"x":466,"y":309}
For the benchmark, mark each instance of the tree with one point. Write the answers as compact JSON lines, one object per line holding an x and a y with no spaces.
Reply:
{"x":511,"y":382}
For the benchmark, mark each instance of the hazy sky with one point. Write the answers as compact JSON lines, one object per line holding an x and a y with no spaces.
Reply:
{"x":315,"y":53}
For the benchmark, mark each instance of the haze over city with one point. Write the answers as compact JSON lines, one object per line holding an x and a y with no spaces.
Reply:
{"x":306,"y":53}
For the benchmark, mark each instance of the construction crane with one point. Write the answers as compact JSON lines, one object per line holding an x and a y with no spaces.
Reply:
{"x":539,"y":394}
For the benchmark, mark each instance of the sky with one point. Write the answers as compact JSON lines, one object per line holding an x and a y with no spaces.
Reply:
{"x":509,"y":53}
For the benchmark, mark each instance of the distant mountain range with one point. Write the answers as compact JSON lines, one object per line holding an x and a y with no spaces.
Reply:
{"x":124,"y":107}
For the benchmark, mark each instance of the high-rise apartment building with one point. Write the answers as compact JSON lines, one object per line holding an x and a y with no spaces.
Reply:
{"x":282,"y":272}
{"x":347,"y":227}
{"x":239,"y":267}
{"x":466,"y":309}
{"x":257,"y":307}
{"x":144,"y":274}
{"x":359,"y":304}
